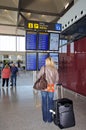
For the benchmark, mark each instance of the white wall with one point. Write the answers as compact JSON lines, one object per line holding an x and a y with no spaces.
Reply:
{"x":76,"y":10}
{"x":11,"y":30}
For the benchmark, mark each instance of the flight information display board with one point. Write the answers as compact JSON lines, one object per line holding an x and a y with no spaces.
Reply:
{"x":54,"y":41}
{"x":43,"y":41}
{"x":41,"y":59}
{"x":31,"y":61}
{"x":55,"y":58}
{"x":31,"y":40}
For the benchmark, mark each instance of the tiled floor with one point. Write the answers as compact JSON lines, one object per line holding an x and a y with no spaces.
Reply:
{"x":20,"y":107}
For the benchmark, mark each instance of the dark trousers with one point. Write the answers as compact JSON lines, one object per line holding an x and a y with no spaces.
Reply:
{"x":5,"y":81}
{"x":47,"y":104}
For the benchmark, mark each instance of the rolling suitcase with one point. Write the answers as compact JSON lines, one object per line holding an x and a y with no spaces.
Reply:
{"x":64,"y":114}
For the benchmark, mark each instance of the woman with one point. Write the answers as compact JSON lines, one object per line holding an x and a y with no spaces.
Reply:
{"x":5,"y":75}
{"x":52,"y":78}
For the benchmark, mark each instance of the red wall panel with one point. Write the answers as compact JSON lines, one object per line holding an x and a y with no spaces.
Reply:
{"x":73,"y":70}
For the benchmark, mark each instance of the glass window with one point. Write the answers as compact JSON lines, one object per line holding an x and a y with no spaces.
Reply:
{"x":20,"y":43}
{"x":7,"y":43}
{"x":12,"y":43}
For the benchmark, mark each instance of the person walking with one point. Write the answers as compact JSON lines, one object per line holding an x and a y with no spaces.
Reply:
{"x":14,"y":71}
{"x":52,"y":77}
{"x":5,"y":75}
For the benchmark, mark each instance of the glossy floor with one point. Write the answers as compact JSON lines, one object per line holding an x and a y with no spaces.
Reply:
{"x":20,"y":107}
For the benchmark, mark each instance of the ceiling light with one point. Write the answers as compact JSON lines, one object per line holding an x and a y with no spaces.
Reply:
{"x":5,"y":10}
{"x":66,"y":5}
{"x":43,"y":15}
{"x":28,"y":14}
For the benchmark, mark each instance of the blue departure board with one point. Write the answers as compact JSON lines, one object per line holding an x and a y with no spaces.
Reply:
{"x":31,"y":40}
{"x":54,"y":57}
{"x":43,"y":41}
{"x":31,"y":61}
{"x":54,"y":41}
{"x":41,"y":59}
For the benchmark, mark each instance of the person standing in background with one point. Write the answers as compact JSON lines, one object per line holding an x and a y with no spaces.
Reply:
{"x":47,"y":95}
{"x":5,"y":75}
{"x":14,"y":71}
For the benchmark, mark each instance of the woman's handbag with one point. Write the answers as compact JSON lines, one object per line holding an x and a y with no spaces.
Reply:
{"x":41,"y":83}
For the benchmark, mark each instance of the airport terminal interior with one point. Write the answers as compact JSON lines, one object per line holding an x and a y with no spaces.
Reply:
{"x":31,"y":31}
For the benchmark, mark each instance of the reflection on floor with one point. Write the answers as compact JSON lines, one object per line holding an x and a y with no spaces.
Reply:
{"x":20,"y":107}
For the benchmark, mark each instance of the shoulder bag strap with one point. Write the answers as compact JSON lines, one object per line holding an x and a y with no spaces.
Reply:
{"x":44,"y":72}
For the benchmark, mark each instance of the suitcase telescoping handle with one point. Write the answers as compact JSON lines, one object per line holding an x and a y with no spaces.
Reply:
{"x":53,"y":112}
{"x":56,"y":97}
{"x":61,"y":87}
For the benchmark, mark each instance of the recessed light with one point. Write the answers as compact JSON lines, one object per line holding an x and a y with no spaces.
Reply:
{"x":66,"y":5}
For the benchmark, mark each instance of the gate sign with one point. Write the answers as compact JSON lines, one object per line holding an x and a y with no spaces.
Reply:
{"x":35,"y":25}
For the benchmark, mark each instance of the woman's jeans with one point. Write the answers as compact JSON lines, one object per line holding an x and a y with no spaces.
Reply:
{"x":47,"y":104}
{"x":13,"y":80}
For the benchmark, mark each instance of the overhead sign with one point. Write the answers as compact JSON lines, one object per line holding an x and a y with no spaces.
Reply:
{"x":34,"y":25}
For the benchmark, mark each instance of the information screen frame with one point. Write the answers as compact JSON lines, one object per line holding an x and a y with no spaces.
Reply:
{"x":41,"y":62}
{"x":53,"y":56}
{"x":40,"y":45}
{"x":53,"y":42}
{"x":30,"y":58}
{"x":31,"y":34}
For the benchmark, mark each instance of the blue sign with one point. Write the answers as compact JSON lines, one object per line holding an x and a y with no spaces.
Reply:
{"x":58,"y":27}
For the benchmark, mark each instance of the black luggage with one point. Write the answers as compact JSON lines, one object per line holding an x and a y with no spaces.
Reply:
{"x":64,"y":114}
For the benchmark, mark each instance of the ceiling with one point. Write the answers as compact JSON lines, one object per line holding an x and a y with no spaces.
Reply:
{"x":13,"y":13}
{"x":75,"y":31}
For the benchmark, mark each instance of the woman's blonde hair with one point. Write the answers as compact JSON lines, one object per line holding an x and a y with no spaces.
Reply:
{"x":49,"y":62}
